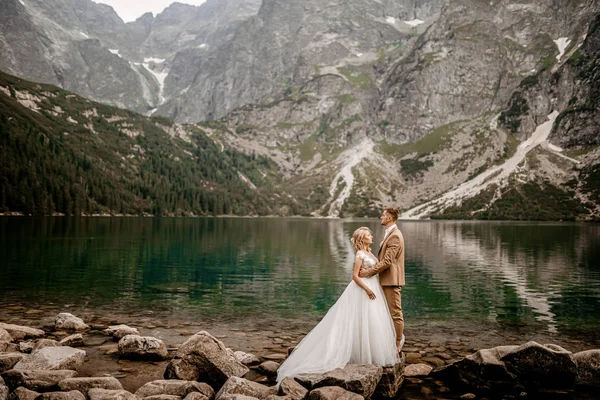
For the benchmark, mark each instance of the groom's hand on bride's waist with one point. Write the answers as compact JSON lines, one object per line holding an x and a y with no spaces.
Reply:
{"x":365,"y":273}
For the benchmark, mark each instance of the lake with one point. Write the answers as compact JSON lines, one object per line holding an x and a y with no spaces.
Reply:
{"x":515,"y":280}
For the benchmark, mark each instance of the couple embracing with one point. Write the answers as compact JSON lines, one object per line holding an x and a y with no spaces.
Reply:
{"x":365,"y":325}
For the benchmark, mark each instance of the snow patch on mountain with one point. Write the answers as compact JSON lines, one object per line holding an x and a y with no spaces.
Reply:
{"x":414,"y":22}
{"x":497,"y":175}
{"x":562,"y":44}
{"x":154,"y":60}
{"x":350,"y":158}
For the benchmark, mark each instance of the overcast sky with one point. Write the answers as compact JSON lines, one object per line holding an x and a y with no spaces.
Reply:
{"x":130,"y":10}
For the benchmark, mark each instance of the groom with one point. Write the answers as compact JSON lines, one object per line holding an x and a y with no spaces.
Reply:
{"x":391,"y":270}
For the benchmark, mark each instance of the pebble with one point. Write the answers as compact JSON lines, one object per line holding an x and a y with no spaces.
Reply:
{"x":468,"y":396}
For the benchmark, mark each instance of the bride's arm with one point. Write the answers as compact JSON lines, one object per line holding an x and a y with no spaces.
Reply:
{"x":393,"y":247}
{"x":356,"y":278}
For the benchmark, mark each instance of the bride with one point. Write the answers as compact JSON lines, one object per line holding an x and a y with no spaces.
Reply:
{"x":357,"y":329}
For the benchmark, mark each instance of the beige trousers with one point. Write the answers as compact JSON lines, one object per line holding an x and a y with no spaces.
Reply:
{"x":394,"y":300}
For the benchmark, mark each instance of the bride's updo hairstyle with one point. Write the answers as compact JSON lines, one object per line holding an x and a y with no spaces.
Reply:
{"x":358,"y":238}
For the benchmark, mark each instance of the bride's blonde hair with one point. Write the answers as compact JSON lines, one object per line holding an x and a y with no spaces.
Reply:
{"x":358,"y":239}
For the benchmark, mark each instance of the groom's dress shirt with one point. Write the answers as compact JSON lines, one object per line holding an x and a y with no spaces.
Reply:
{"x":388,"y":230}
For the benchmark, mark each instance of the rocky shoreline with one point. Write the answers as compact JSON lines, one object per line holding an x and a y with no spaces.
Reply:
{"x":68,"y":359}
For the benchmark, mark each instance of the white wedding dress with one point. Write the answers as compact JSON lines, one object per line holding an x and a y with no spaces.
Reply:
{"x":355,"y":330}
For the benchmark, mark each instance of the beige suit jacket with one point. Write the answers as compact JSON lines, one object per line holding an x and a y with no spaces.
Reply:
{"x":391,"y":260}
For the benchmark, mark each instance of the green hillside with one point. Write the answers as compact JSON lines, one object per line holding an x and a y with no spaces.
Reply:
{"x":61,"y":153}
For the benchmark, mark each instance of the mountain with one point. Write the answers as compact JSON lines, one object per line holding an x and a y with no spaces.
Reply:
{"x":450,"y":109}
{"x":85,"y":47}
{"x":64,"y":154}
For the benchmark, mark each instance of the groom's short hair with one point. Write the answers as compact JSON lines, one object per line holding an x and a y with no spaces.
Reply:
{"x":393,"y":211}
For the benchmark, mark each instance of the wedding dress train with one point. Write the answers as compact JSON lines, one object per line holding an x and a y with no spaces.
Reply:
{"x":355,"y":330}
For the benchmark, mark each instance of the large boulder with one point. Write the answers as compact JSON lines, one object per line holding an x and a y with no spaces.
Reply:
{"x":5,"y":336}
{"x":67,"y":321}
{"x":391,"y":380}
{"x":204,"y":358}
{"x":52,"y":358}
{"x":106,"y":394}
{"x":333,"y":393}
{"x":174,"y":387}
{"x":120,"y":331}
{"x":39,"y":381}
{"x":18,"y":332}
{"x":588,"y":368}
{"x":21,"y":393}
{"x":85,"y":384}
{"x":360,"y":379}
{"x":75,"y":340}
{"x":539,"y":366}
{"x":142,"y":347}
{"x":9,"y":360}
{"x":292,"y":389}
{"x":484,"y":370}
{"x":72,"y":395}
{"x":240,"y":386}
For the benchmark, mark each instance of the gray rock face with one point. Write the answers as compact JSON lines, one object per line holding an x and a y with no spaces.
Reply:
{"x":292,"y":389}
{"x":84,"y":385}
{"x":42,"y":381}
{"x":7,"y":347}
{"x":241,"y":386}
{"x":18,"y":332}
{"x":174,"y":387}
{"x":72,"y":395}
{"x":360,"y":379}
{"x":52,"y":358}
{"x":391,"y":379}
{"x":21,"y":393}
{"x":203,"y":357}
{"x":417,"y":370}
{"x":9,"y":360}
{"x":105,"y":394}
{"x":588,"y":368}
{"x":142,"y":347}
{"x":67,"y":321}
{"x":333,"y":393}
{"x":541,"y":366}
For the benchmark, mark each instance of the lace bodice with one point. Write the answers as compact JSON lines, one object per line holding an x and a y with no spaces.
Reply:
{"x":369,"y":259}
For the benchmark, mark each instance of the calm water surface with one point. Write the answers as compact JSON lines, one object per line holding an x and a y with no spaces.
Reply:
{"x":506,"y":276}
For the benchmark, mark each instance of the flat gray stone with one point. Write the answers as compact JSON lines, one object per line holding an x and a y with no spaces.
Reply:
{"x":333,"y":393}
{"x":246,"y":358}
{"x":120,"y":331}
{"x":163,"y":397}
{"x":105,"y":394}
{"x":417,"y":370}
{"x":85,"y":384}
{"x":52,"y":358}
{"x":21,"y":393}
{"x":8,"y":347}
{"x":39,"y":381}
{"x":196,"y":396}
{"x":18,"y":332}
{"x":292,"y":389}
{"x":75,"y":340}
{"x":360,"y":379}
{"x":40,"y":344}
{"x":72,"y":395}
{"x":240,"y":386}
{"x":174,"y":387}
{"x":269,"y":368}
